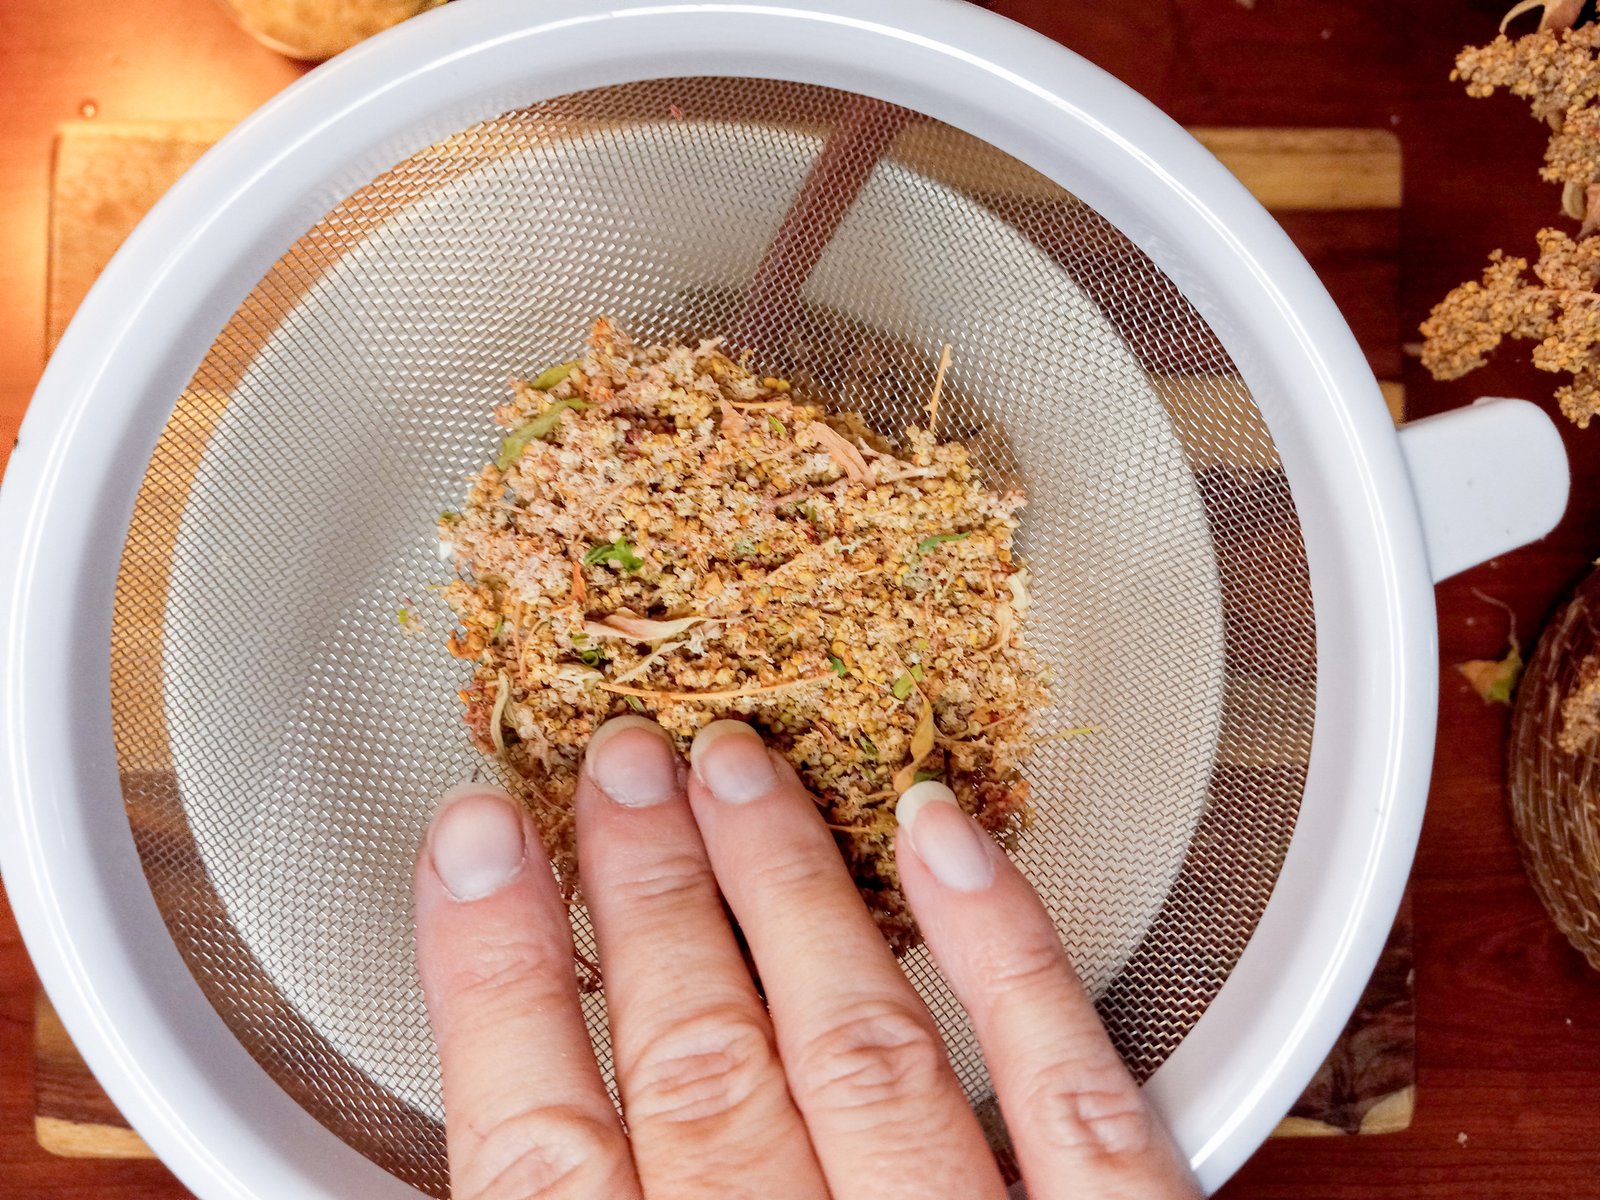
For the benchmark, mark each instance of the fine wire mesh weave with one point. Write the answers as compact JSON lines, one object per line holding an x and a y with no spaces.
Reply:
{"x":281,"y":738}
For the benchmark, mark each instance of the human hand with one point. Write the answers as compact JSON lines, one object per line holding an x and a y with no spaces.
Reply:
{"x":837,"y":1085}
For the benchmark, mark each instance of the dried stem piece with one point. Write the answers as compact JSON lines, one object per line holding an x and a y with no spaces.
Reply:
{"x":938,"y":387}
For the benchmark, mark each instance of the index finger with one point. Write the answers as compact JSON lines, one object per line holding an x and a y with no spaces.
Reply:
{"x":525,"y":1110}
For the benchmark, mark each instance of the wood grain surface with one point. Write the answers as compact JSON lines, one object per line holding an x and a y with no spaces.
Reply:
{"x":105,"y":175}
{"x":1508,"y":1031}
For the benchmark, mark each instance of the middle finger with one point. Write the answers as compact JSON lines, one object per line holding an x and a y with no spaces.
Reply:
{"x":865,"y":1063}
{"x":703,"y":1090}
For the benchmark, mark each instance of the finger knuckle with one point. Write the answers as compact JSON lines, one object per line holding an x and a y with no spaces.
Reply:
{"x":665,"y":880}
{"x":790,"y":870}
{"x":875,"y":1052}
{"x":1088,"y":1108}
{"x":542,"y":1153}
{"x":1021,"y":964}
{"x":504,"y":978}
{"x":703,"y":1066}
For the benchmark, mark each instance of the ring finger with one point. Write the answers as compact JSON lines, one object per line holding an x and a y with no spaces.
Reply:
{"x":704,"y":1093}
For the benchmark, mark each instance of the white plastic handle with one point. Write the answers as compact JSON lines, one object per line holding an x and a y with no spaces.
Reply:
{"x":1487,"y":478}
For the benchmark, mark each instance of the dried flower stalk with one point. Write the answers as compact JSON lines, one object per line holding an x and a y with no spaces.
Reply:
{"x":1551,"y":301}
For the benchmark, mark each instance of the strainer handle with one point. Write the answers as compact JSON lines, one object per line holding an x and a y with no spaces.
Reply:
{"x":1487,"y":478}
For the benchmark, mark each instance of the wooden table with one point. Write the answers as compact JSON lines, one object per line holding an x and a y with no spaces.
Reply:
{"x":1509,"y":1019}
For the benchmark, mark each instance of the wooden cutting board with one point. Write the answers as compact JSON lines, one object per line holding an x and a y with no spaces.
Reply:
{"x":1336,"y":191}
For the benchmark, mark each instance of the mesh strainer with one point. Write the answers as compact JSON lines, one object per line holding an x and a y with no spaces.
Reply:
{"x":228,"y":481}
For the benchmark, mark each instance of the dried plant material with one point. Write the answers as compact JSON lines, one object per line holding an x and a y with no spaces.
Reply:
{"x":1580,"y":710}
{"x":1560,"y":14}
{"x":1591,"y":210}
{"x":738,"y":693}
{"x":733,"y":425}
{"x":590,"y":978}
{"x":497,"y":714}
{"x":1004,"y":623}
{"x":692,"y":541}
{"x":1554,"y":70}
{"x":845,"y":453}
{"x":1020,"y":597}
{"x":929,"y":544}
{"x":938,"y":387}
{"x":1572,"y":158}
{"x":1572,"y":200}
{"x":541,"y":426}
{"x":1553,"y":14}
{"x":1495,"y":679}
{"x":639,"y":629}
{"x":618,"y":551}
{"x":921,"y":747}
{"x":644,"y":664}
{"x":550,"y":376}
{"x":1551,"y":301}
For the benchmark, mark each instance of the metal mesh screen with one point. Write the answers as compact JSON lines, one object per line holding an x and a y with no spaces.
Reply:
{"x":282,"y":739}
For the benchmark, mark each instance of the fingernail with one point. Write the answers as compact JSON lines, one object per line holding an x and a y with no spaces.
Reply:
{"x":731,"y":759}
{"x":476,"y":841}
{"x":948,"y":841}
{"x":632,"y":760}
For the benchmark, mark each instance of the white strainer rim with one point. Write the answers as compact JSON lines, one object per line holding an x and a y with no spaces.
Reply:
{"x":72,"y":873}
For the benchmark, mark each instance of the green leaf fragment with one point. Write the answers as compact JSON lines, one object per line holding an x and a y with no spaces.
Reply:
{"x":924,"y":775}
{"x":916,"y":672}
{"x":777,"y":427}
{"x":902,"y":686}
{"x":939,"y":539}
{"x":619,"y":552}
{"x":867,"y":747}
{"x":550,"y":376}
{"x":838,"y":666}
{"x":591,"y":657}
{"x":542,"y":426}
{"x":636,"y":704}
{"x":402,"y":616}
